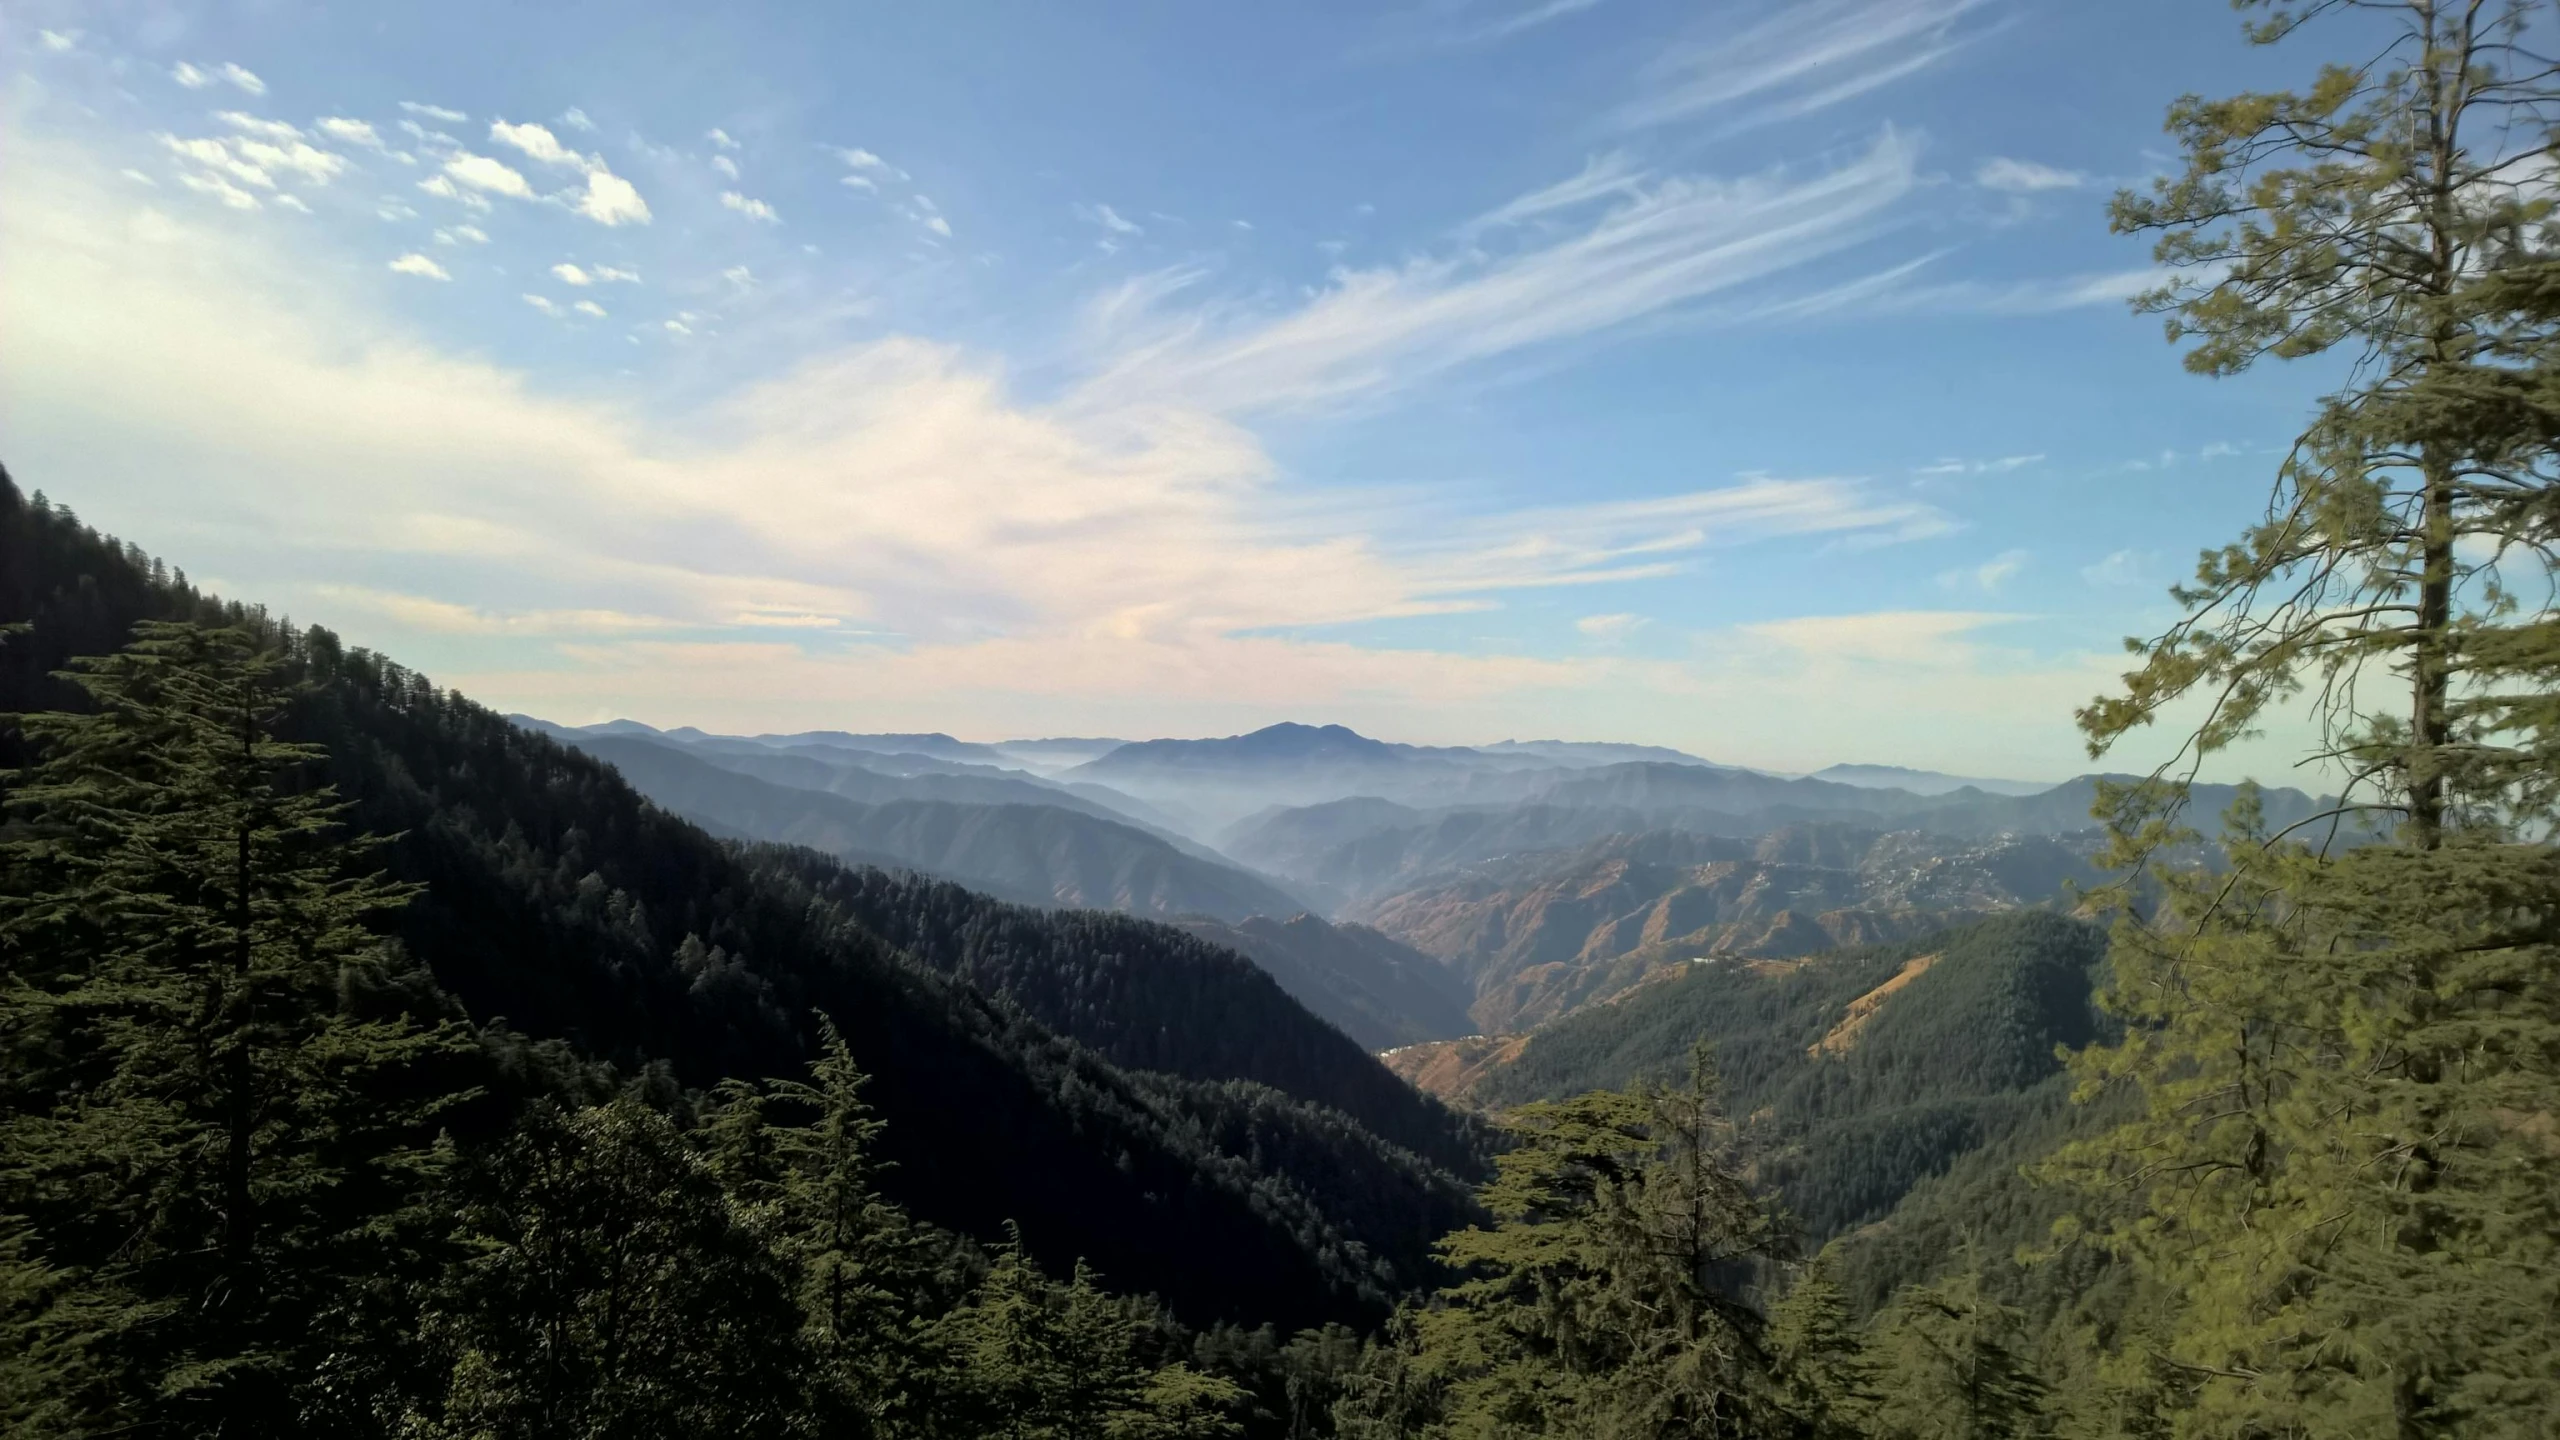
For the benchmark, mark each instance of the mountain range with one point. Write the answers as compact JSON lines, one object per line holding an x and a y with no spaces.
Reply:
{"x":1426,"y":893}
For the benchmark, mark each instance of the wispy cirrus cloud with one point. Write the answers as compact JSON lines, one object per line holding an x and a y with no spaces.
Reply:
{"x":1664,"y":242}
{"x":1799,"y":59}
{"x":2025,"y":177}
{"x":894,"y":490}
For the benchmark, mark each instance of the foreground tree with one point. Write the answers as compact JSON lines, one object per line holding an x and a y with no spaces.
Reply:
{"x":1041,"y":1361}
{"x":207,"y":1153}
{"x":613,"y":1289}
{"x":1611,"y":1299}
{"x":2338,"y":1201}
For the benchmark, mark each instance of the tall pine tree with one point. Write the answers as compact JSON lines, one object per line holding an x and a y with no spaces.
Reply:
{"x":2341,"y":1199}
{"x":206,"y":1141}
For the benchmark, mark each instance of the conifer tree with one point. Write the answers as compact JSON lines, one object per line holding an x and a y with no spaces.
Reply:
{"x":2337,"y":1201}
{"x":204,"y":1142}
{"x":613,"y":1290}
{"x":1042,"y":1361}
{"x":2393,"y":215}
{"x":857,"y":1261}
{"x":1609,"y":1298}
{"x":1955,"y":1367}
{"x":1824,"y":1371}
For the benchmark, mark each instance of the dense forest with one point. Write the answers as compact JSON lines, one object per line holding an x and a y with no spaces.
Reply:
{"x":370,"y":1065}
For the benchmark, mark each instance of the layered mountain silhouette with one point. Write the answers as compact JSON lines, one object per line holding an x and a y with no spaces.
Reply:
{"x":1030,"y":853}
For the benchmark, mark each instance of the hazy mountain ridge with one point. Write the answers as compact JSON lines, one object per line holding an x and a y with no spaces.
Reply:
{"x":1033,"y":854}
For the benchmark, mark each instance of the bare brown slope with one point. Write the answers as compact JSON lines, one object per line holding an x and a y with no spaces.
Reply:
{"x":1540,"y":936}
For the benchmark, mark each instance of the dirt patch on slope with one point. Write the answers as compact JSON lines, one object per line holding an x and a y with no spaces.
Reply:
{"x":1863,"y":1009}
{"x":1451,"y":1068}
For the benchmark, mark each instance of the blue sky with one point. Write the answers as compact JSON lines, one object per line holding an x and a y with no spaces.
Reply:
{"x":1749,"y":377}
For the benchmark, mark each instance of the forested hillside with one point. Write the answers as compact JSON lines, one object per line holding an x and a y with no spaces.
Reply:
{"x":557,"y":902}
{"x":1146,"y":997}
{"x":1380,"y":991}
{"x":1862,"y":1071}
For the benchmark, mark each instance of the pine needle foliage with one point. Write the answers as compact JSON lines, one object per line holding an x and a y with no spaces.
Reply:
{"x":2392,"y":220}
{"x":206,"y":1147}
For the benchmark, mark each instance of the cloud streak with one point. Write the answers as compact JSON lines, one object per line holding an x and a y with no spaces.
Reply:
{"x":1665,"y":242}
{"x":1803,"y":58}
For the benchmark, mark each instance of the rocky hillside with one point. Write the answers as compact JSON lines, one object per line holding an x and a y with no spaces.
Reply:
{"x":1542,"y":934}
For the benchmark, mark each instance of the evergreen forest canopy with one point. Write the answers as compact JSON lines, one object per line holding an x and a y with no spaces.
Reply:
{"x":376,"y":1066}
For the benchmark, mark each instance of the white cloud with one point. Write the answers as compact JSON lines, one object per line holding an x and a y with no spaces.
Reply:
{"x":739,"y":276}
{"x":221,"y":189}
{"x":861,"y":182}
{"x":2001,"y":466}
{"x":350,"y":132}
{"x":1602,"y":177}
{"x":725,"y":166}
{"x":443,"y":188}
{"x":610,"y":200}
{"x":308,"y":161}
{"x":217,"y":156}
{"x":2043,"y":296}
{"x":138,"y":178}
{"x":293,"y":202}
{"x":576,"y":119}
{"x":938,"y":226}
{"x":589,"y":307}
{"x":542,"y":303}
{"x":751,"y":208}
{"x":1903,"y":638}
{"x":258,"y":125}
{"x":720,"y":138}
{"x":678,"y":327}
{"x":434,"y":112}
{"x":1989,"y":576}
{"x":189,"y":76}
{"x":607,"y":273}
{"x":1806,"y":57}
{"x":493,"y":176}
{"x":2025,"y":177}
{"x":1109,"y":219}
{"x":2124,"y":569}
{"x":419,"y":265}
{"x":571,"y":275}
{"x":57,"y":41}
{"x":1529,"y":19}
{"x":1610,"y":629}
{"x":537,"y":143}
{"x":392,"y":210}
{"x":1671,"y":241}
{"x":430,"y":139}
{"x":242,"y":78}
{"x":1082,"y":561}
{"x":861,"y":159}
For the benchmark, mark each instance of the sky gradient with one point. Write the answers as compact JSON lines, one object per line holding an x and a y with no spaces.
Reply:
{"x":1750,"y":378}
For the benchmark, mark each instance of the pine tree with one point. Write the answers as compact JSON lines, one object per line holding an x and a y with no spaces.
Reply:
{"x":1828,"y":1379}
{"x":860,"y":1273}
{"x":2392,"y":215}
{"x":1955,"y":1367}
{"x":1610,"y":1297}
{"x":613,"y":1290}
{"x":1042,"y":1361}
{"x":2338,"y":1202}
{"x":209,"y":1138}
